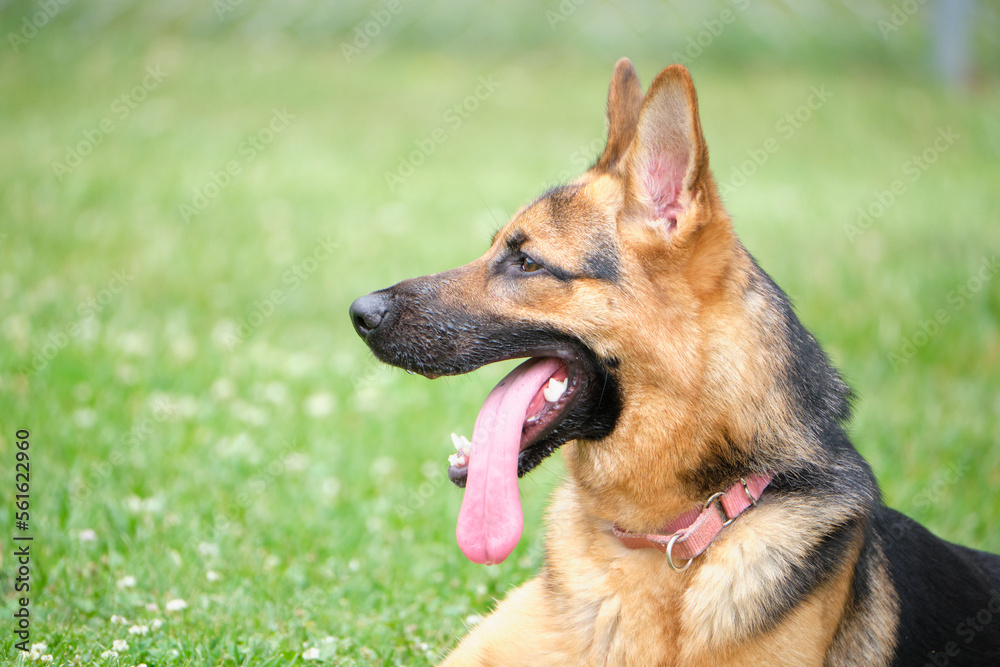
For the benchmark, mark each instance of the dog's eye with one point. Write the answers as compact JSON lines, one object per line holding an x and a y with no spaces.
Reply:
{"x":529,"y":265}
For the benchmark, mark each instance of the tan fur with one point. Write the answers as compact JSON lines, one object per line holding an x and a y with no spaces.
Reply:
{"x":688,"y":329}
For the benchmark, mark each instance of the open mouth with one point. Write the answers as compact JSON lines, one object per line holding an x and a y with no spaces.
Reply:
{"x":563,"y":391}
{"x":549,"y":403}
{"x":524,"y":419}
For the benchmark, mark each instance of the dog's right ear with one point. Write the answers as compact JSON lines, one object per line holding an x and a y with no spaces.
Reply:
{"x":624,"y":103}
{"x":667,"y":163}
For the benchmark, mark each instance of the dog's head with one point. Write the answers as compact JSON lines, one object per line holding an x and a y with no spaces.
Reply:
{"x":628,"y":293}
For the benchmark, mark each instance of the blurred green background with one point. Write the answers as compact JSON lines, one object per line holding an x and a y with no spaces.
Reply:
{"x":192,"y":193}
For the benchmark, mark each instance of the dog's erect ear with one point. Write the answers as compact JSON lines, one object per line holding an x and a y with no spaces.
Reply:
{"x":624,"y":102}
{"x":668,"y":160}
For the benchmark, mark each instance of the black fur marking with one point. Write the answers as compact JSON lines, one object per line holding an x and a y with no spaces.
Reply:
{"x":820,"y":394}
{"x":560,"y":274}
{"x":821,"y":403}
{"x":863,"y":582}
{"x":559,"y":199}
{"x":949,"y":596}
{"x":827,"y":558}
{"x":602,"y":262}
{"x":516,"y":240}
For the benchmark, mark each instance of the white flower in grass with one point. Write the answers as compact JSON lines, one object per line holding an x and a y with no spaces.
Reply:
{"x":119,"y":620}
{"x":276,"y":393}
{"x":85,"y":417}
{"x":86,"y":535}
{"x":157,"y":623}
{"x":209,"y":549}
{"x":138,"y":629}
{"x":319,"y":405}
{"x":212,"y":575}
{"x":134,"y":343}
{"x":109,"y":654}
{"x":311,"y":654}
{"x":37,"y":652}
{"x":128,"y":581}
{"x":176,"y":605}
{"x":248,"y":413}
{"x":152,"y":606}
{"x":119,"y":645}
{"x":223,"y":389}
{"x":183,"y":347}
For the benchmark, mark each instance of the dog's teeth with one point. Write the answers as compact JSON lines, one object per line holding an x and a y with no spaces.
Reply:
{"x":554,"y":389}
{"x":462,"y":444}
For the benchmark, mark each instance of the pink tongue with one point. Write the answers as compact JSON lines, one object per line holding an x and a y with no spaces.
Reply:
{"x":490,"y":521}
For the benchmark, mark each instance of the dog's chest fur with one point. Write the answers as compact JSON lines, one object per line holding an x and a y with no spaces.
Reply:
{"x":610,"y":597}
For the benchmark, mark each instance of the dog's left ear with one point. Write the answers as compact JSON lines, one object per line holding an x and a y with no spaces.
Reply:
{"x":667,"y":171}
{"x":624,"y":102}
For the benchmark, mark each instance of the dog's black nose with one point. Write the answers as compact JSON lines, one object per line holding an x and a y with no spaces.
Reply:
{"x":368,"y":312}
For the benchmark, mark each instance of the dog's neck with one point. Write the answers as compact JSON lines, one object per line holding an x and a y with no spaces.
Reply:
{"x":731,"y":404}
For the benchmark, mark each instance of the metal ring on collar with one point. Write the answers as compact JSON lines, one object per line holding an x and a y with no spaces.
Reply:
{"x":670,"y":558}
{"x":746,"y":490}
{"x":716,"y":497}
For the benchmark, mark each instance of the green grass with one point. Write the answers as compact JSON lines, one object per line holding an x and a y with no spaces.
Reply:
{"x":306,"y":477}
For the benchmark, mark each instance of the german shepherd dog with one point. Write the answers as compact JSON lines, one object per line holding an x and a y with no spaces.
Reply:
{"x":715,"y":511}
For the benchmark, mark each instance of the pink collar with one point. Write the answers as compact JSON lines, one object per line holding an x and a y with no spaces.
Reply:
{"x":690,"y":534}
